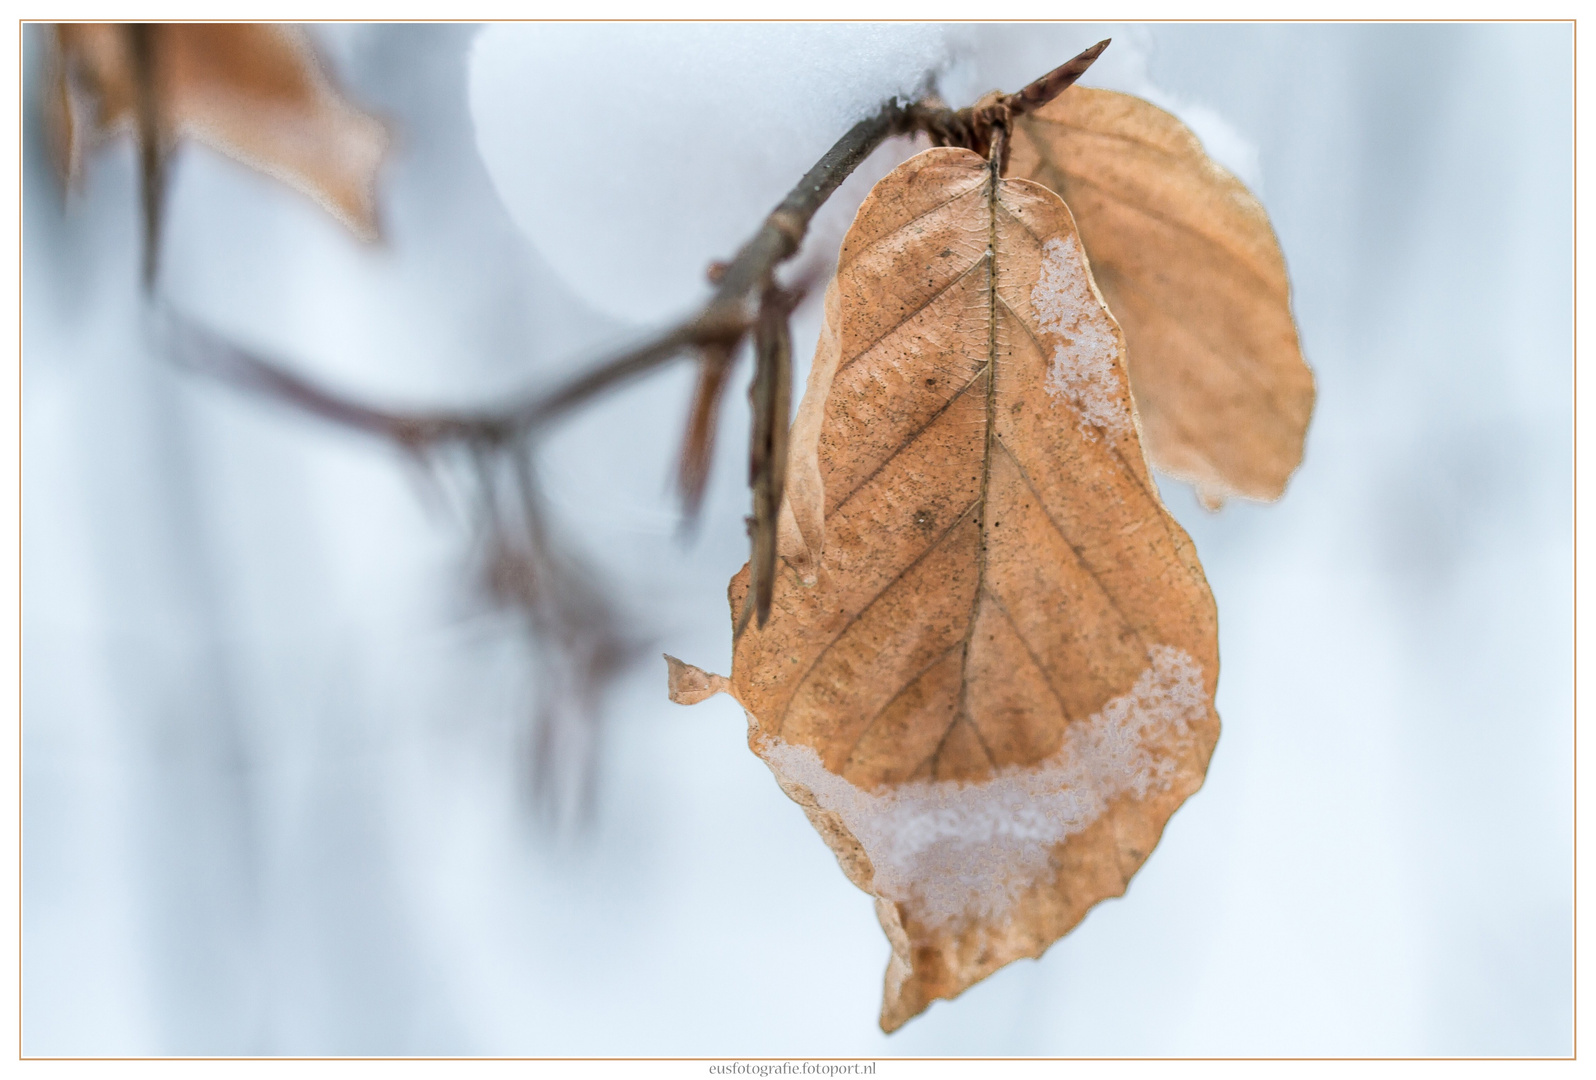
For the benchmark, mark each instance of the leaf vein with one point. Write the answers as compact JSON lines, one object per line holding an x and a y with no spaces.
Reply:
{"x":908,"y":441}
{"x":856,"y":616}
{"x":1047,"y":677}
{"x":898,"y":229}
{"x":853,"y":748}
{"x":1080,"y":556}
{"x":899,"y":325}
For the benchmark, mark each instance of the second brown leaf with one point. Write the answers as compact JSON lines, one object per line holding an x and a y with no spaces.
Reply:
{"x":1186,"y":258}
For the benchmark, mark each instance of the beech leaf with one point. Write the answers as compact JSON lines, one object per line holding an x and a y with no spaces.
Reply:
{"x":989,"y":670}
{"x":1185,"y":256}
{"x":254,"y":92}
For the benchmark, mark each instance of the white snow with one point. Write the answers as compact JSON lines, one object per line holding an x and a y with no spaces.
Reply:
{"x":633,"y":155}
{"x":1084,"y":367}
{"x":966,"y":851}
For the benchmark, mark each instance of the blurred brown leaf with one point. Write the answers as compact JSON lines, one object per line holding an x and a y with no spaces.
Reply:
{"x":1190,"y":267}
{"x":254,"y":92}
{"x":989,"y":670}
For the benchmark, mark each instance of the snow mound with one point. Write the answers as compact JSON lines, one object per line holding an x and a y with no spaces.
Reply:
{"x":633,"y":155}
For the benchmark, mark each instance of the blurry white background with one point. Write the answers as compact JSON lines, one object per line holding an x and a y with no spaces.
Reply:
{"x":273,"y":744}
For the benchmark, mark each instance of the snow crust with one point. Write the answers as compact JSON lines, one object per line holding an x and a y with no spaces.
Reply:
{"x":967,"y":851}
{"x":633,"y":155}
{"x":1084,"y":367}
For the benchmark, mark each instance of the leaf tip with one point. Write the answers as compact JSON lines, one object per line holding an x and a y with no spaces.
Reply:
{"x":689,"y":685}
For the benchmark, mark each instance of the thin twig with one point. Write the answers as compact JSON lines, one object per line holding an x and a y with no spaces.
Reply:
{"x":714,"y":369}
{"x":770,"y":397}
{"x":192,"y":346}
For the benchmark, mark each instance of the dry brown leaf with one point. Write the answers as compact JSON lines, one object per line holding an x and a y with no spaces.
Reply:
{"x":1190,"y":267}
{"x":988,"y":675}
{"x":252,"y":91}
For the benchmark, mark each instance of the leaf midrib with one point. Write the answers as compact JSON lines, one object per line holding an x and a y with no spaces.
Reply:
{"x":991,"y":444}
{"x":962,"y":713}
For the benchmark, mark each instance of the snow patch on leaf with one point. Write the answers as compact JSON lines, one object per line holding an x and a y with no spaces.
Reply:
{"x":1083,"y":369}
{"x":967,"y":851}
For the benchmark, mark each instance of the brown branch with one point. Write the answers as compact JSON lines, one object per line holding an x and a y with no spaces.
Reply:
{"x":730,"y":313}
{"x":718,"y":328}
{"x":192,"y":346}
{"x":714,"y":368}
{"x":722,"y":324}
{"x":771,"y":399}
